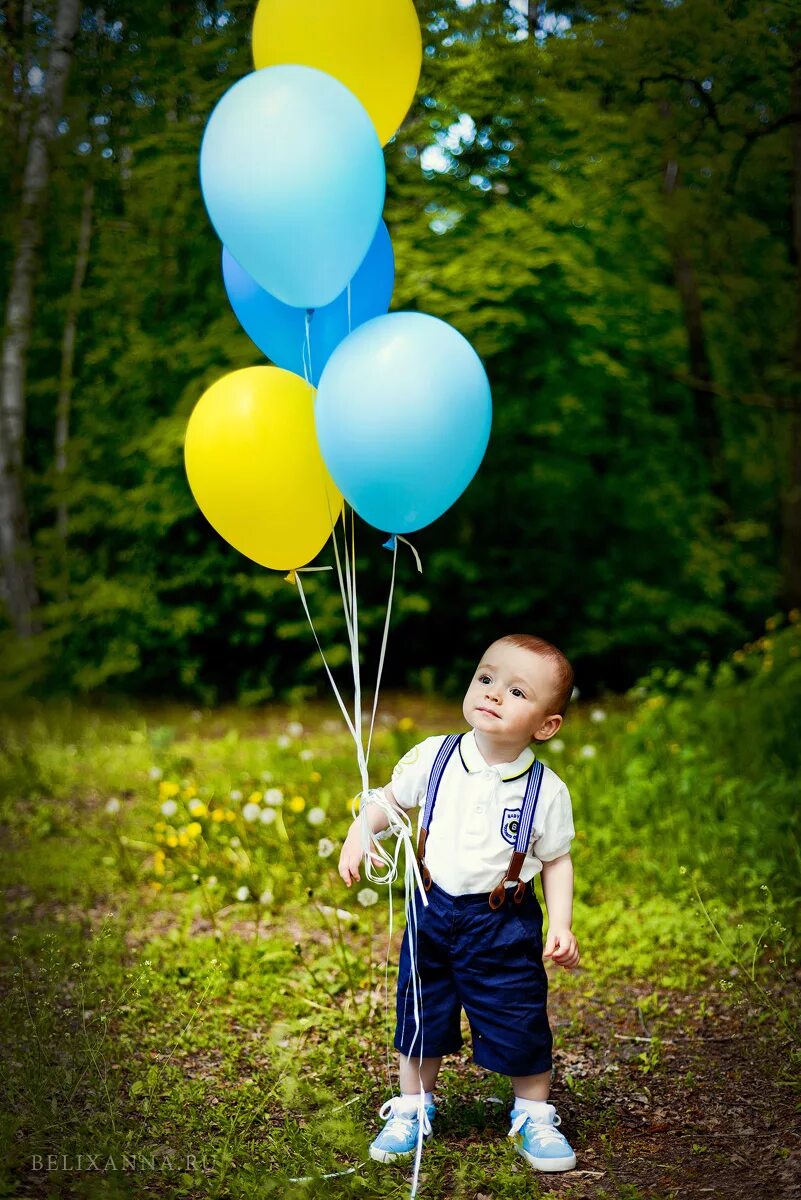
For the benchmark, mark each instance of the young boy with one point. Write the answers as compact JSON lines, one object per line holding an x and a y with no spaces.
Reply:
{"x":492,"y":818}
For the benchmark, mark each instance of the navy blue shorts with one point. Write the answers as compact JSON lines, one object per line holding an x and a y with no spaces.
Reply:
{"x":488,"y":963}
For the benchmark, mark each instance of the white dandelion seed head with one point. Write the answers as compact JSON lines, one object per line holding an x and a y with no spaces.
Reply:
{"x":588,"y":752}
{"x":283,"y":741}
{"x":155,"y":773}
{"x":295,"y":729}
{"x":325,"y":848}
{"x":267,"y":816}
{"x":266,"y":897}
{"x":367,"y":897}
{"x":557,"y":745}
{"x":113,"y":805}
{"x":315,"y":816}
{"x":273,"y":796}
{"x":235,"y":843}
{"x":243,"y":893}
{"x":266,"y":776}
{"x":597,"y":715}
{"x":235,"y":794}
{"x":169,"y":808}
{"x":306,"y":755}
{"x":251,"y":812}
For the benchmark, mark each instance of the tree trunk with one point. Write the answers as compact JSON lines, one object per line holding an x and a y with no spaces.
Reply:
{"x":706,"y":415}
{"x":791,"y":492}
{"x":68,"y":358}
{"x":19,"y":587}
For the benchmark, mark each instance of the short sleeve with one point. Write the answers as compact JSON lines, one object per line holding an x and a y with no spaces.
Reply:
{"x":410,"y":776}
{"x":553,"y":826}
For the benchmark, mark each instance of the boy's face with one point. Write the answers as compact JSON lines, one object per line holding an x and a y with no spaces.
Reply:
{"x":511,"y":696}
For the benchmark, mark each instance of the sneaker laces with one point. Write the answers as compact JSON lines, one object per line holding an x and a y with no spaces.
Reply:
{"x":543,"y":1127}
{"x":400,"y":1121}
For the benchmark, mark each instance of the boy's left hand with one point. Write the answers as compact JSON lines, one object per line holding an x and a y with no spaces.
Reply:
{"x":561,"y":946}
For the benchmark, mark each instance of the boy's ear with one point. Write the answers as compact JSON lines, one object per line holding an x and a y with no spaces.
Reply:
{"x":548,"y":728}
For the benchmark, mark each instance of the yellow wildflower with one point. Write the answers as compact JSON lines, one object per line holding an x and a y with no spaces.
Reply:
{"x":315,"y":777}
{"x":172,"y":840}
{"x":167,"y":789}
{"x":197,"y":809}
{"x":193,"y":830}
{"x":183,"y":840}
{"x":160,"y":825}
{"x":230,"y":815}
{"x":189,"y":793}
{"x":158,"y":862}
{"x":405,"y":724}
{"x":254,"y":798}
{"x":218,"y":814}
{"x":156,"y":886}
{"x":297,"y":804}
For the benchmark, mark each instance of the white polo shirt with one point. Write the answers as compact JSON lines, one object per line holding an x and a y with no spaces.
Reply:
{"x":472,"y":830}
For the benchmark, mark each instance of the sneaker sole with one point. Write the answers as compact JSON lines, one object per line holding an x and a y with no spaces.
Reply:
{"x":550,"y":1165}
{"x":395,"y":1155}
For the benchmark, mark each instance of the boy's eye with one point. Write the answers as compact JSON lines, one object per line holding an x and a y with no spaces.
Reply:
{"x":517,"y":692}
{"x":484,"y":679}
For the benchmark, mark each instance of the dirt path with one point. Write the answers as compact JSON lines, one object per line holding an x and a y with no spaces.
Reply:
{"x":688,"y":1103}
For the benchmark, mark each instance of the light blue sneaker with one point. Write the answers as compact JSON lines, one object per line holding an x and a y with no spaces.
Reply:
{"x":398,"y":1139}
{"x":539,"y":1141}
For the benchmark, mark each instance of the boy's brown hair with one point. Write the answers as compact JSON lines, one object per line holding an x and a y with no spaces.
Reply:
{"x":562,"y":668}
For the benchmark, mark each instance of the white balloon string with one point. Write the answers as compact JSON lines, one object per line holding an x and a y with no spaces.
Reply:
{"x":406,"y":542}
{"x":307,"y":373}
{"x":382,"y":655}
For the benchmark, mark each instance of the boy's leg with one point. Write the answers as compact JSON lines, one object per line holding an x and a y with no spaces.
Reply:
{"x":413,"y":1069}
{"x":532,"y":1087}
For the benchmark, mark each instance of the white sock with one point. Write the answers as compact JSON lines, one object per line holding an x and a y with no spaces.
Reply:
{"x":410,"y":1100}
{"x":537,"y":1108}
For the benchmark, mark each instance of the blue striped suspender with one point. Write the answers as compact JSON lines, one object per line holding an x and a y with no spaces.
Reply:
{"x":525,"y":825}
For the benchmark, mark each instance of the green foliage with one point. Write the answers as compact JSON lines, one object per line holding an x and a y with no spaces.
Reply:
{"x":544,"y":230}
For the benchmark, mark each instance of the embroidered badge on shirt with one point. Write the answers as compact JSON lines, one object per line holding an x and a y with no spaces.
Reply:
{"x":511,"y":820}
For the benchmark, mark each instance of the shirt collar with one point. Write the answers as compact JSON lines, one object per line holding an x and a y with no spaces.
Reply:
{"x":473,"y":760}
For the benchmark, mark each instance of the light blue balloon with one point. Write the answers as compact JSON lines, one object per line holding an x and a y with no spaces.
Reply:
{"x":403,"y":414}
{"x":293,"y":178}
{"x":280,"y":331}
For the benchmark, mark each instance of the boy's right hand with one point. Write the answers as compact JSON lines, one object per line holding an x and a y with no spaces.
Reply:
{"x":351,"y":857}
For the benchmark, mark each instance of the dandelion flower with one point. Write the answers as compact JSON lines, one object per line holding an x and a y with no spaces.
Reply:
{"x":169,"y":808}
{"x":155,"y":773}
{"x":254,"y":798}
{"x":243,"y":893}
{"x":197,"y":809}
{"x":597,"y":715}
{"x":194,"y":830}
{"x":251,"y":812}
{"x":295,"y":729}
{"x":315,"y":777}
{"x":325,"y":848}
{"x":235,"y":842}
{"x":297,"y":804}
{"x":266,"y":897}
{"x":267,"y":816}
{"x":235,"y":795}
{"x":367,"y":897}
{"x":306,"y":755}
{"x":405,"y":724}
{"x":316,"y":816}
{"x":282,"y":742}
{"x":266,"y":776}
{"x":218,"y":814}
{"x":587,"y":752}
{"x":113,"y":805}
{"x":557,"y":745}
{"x":273,"y":796}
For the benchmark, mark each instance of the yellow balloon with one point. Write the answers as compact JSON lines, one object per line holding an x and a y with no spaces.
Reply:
{"x":372,"y":46}
{"x":255,"y":468}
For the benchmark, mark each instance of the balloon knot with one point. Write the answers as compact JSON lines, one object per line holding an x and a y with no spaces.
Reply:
{"x":392,"y":544}
{"x":290,"y":578}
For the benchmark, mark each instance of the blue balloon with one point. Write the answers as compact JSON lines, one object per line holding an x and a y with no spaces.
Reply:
{"x":280,"y":331}
{"x":403,"y":414}
{"x":293,"y":178}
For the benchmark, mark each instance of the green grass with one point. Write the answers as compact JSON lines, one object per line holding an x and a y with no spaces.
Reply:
{"x":141,"y":1010}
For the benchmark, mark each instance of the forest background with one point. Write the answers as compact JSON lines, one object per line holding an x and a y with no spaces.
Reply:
{"x":605,"y":198}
